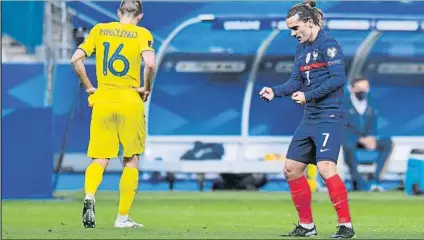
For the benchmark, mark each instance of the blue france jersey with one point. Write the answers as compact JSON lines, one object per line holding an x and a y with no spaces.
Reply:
{"x":319,"y":72}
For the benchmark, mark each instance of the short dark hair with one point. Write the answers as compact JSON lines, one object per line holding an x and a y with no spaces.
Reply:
{"x":306,"y":11}
{"x":357,"y":79}
{"x":131,"y":7}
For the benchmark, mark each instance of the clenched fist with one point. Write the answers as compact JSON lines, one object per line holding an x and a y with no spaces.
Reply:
{"x":267,"y":94}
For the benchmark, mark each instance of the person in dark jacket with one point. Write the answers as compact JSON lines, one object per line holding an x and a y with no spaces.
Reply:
{"x":362,"y":134}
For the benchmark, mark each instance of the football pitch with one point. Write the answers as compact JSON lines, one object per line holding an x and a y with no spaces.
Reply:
{"x":211,"y":215}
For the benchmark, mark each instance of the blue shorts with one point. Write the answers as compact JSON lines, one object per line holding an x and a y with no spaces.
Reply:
{"x":312,"y":143}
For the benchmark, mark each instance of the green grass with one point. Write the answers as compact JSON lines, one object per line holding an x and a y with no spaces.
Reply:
{"x":208,"y":215}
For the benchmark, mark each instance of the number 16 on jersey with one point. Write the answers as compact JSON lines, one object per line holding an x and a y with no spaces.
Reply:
{"x":108,"y":63}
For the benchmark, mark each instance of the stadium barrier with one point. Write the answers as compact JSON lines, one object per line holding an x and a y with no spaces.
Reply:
{"x":27,"y":149}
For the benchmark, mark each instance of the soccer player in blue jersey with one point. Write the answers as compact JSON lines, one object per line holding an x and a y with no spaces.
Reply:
{"x":316,"y":82}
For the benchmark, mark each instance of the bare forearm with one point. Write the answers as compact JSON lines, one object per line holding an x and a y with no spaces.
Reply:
{"x":79,"y":68}
{"x":149,"y":73}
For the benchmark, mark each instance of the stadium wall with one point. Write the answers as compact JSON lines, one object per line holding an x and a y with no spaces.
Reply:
{"x":27,"y":149}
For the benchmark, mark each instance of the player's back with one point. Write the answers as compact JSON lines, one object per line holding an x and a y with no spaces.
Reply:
{"x":118,"y":50}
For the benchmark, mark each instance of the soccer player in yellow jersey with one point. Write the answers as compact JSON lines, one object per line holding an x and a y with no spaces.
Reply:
{"x":118,"y":103}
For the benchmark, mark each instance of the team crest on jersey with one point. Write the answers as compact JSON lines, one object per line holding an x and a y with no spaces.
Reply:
{"x":308,"y":57}
{"x":315,"y":55}
{"x":331,"y":52}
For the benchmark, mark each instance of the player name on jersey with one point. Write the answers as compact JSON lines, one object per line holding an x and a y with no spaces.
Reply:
{"x":118,"y":33}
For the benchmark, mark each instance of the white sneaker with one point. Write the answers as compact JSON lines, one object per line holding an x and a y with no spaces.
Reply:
{"x":376,"y":188}
{"x":129,"y":223}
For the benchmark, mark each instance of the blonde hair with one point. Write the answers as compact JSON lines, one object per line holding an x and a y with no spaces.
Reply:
{"x":131,"y":7}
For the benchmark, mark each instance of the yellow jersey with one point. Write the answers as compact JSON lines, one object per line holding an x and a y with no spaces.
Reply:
{"x":118,"y":49}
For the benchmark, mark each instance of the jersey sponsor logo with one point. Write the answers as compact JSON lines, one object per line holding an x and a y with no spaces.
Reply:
{"x":331,"y":63}
{"x":311,"y":66}
{"x":331,"y":52}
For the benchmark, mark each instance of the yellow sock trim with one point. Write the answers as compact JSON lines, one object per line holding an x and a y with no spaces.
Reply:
{"x":127,"y":189}
{"x":93,"y":178}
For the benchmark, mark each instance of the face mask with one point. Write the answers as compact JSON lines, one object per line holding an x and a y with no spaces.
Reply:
{"x":361,"y":95}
